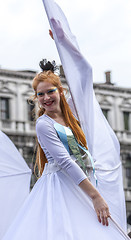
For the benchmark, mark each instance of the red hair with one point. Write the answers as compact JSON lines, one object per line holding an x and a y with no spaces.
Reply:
{"x":70,"y":120}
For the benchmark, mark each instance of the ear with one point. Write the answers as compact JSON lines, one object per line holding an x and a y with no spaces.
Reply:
{"x":61,"y":90}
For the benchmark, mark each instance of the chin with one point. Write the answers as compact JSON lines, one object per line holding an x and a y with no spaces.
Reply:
{"x":51,"y":109}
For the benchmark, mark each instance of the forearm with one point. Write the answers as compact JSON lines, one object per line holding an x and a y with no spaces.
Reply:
{"x":89,"y":189}
{"x":99,"y":203}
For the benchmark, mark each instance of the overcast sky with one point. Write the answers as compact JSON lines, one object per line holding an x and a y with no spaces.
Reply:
{"x":102,"y":28}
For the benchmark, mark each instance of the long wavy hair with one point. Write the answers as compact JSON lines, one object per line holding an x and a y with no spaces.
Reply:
{"x":70,"y":120}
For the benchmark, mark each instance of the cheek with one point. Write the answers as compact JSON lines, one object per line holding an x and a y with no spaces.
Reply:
{"x":40,"y":101}
{"x":58,"y":98}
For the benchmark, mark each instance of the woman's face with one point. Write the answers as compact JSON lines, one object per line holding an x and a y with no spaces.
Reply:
{"x":48,"y":97}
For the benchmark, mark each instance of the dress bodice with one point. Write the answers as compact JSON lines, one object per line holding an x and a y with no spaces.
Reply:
{"x":54,"y":149}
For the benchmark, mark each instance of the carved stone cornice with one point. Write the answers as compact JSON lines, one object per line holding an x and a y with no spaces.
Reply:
{"x":111,"y":88}
{"x":18,"y":74}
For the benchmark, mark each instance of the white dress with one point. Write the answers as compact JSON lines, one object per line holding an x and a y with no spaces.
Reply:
{"x":56,"y":208}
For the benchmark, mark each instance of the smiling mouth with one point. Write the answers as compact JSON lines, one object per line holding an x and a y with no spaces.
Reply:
{"x":49,"y":103}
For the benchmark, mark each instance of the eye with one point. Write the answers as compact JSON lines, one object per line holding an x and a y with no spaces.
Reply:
{"x":52,"y":90}
{"x":40,"y":94}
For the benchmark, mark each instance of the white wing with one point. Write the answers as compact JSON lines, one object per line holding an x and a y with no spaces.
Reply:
{"x":14,"y":182}
{"x":101,"y":139}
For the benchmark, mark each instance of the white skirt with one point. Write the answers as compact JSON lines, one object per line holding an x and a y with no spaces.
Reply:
{"x":57,"y":209}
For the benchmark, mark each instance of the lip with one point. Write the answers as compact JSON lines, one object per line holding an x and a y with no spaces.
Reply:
{"x":49,"y":103}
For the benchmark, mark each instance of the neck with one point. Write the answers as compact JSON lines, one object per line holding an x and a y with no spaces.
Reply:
{"x":54,"y":115}
{"x":58,"y":117}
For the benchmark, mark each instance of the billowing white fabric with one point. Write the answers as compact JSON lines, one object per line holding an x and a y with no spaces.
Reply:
{"x":101,"y":140}
{"x":57,"y":209}
{"x":14,"y":182}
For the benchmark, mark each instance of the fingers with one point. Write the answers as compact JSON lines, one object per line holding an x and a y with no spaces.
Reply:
{"x":51,"y":34}
{"x":103,"y":217}
{"x":102,"y":210}
{"x":98,"y":216}
{"x":58,"y":28}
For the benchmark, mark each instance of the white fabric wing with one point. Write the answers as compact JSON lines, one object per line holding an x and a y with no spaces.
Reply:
{"x":101,"y":140}
{"x":14,"y":182}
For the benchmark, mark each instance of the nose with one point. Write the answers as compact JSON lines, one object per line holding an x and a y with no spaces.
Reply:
{"x":46,"y":96}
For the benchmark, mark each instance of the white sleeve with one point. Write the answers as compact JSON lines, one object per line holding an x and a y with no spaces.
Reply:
{"x":48,"y":139}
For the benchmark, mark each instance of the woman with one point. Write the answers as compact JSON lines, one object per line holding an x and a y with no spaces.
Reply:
{"x":54,"y":108}
{"x":60,"y":205}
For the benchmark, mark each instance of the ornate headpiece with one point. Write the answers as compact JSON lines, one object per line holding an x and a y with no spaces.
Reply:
{"x":46,"y":65}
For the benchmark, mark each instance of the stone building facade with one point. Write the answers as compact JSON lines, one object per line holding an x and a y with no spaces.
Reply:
{"x":17,"y":122}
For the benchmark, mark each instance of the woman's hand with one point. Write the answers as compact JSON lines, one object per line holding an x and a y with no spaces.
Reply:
{"x":51,"y":34}
{"x":99,"y":203}
{"x":101,"y":209}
